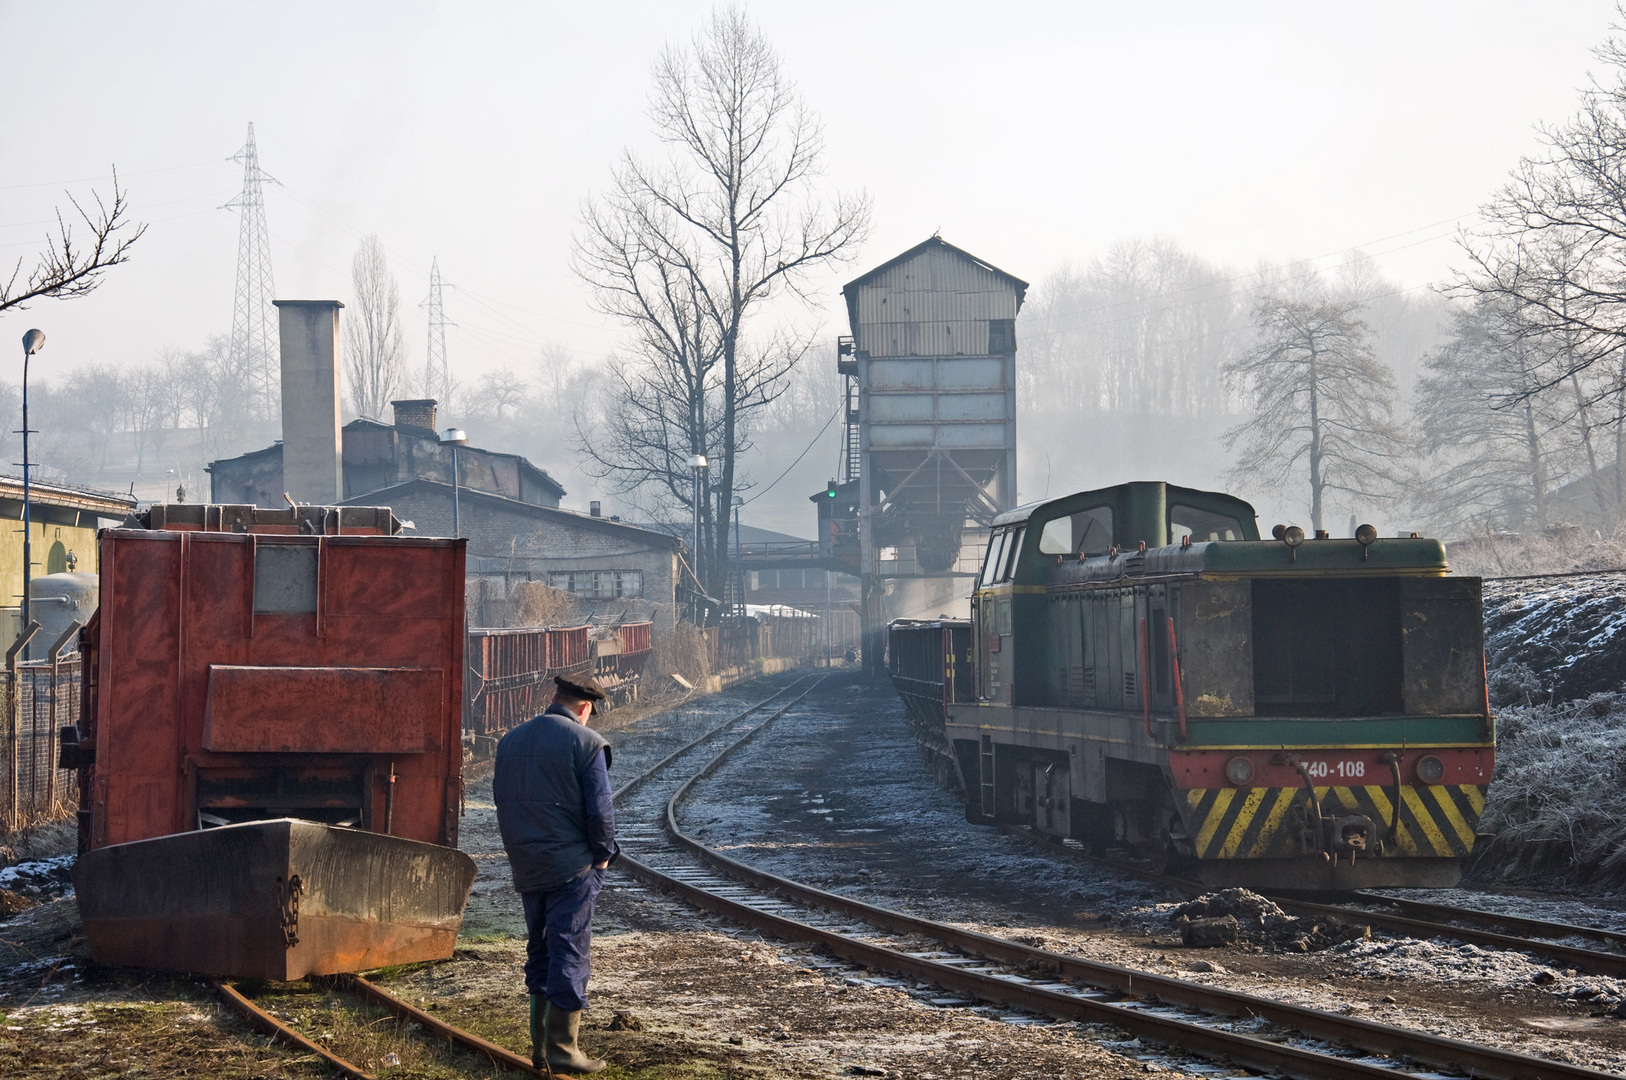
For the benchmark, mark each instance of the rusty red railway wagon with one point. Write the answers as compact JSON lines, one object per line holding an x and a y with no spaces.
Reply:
{"x":271,"y":752}
{"x":511,"y":671}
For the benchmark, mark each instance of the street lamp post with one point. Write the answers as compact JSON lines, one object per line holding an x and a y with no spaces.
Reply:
{"x":33,"y":342}
{"x":698,"y":465}
{"x":739,"y":561}
{"x":454,"y":437}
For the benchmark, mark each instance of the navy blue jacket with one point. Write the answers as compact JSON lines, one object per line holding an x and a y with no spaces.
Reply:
{"x":552,"y":789}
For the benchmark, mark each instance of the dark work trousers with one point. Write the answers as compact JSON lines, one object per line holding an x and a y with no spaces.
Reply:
{"x":560,"y":925}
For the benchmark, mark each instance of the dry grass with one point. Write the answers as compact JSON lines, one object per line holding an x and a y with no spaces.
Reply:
{"x":536,"y":603}
{"x":1558,"y":550}
{"x":57,"y":836}
{"x":679,"y":650}
{"x":1557,"y":804}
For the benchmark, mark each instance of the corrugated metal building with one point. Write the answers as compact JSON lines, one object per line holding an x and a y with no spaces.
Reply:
{"x":932,"y":420}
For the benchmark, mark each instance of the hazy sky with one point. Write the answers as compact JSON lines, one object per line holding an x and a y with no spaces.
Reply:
{"x":1032,"y":134}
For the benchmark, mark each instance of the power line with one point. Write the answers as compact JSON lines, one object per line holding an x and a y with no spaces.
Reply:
{"x":136,"y":208}
{"x":798,"y":460}
{"x":109,"y":176}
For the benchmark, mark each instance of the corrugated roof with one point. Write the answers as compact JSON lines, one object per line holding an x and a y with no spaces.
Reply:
{"x":646,"y":535}
{"x":850,"y":290}
{"x":109,"y":503}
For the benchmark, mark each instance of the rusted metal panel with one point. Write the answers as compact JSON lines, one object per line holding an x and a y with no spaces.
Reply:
{"x":272,"y":900}
{"x":514,"y":669}
{"x":175,"y":605}
{"x":291,"y":710}
{"x":1443,"y":646}
{"x":635,"y":637}
{"x":1216,"y":648}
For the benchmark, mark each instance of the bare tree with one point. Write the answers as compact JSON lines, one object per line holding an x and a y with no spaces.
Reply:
{"x":1322,"y":403}
{"x":1553,"y":248}
{"x":66,"y":269}
{"x":147,"y":410}
{"x":101,"y":392}
{"x":500,"y":391}
{"x":1497,"y":445}
{"x":374,"y":349}
{"x":684,"y":251}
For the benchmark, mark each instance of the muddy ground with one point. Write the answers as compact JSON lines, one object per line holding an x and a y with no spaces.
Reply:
{"x":836,"y":795}
{"x":674,"y":994}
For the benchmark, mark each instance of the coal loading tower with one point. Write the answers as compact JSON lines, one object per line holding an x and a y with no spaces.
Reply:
{"x":930,"y":453}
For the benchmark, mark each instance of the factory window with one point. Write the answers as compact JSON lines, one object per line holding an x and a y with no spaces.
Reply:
{"x":284,"y":578}
{"x":599,"y":584}
{"x":1001,"y":337}
{"x":1088,"y":532}
{"x":1201,"y":525}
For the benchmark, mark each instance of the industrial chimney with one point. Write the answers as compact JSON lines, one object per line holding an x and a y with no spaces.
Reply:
{"x":415,"y":413}
{"x":312,"y":448}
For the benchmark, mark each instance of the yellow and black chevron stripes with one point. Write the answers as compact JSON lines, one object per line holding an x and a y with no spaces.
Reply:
{"x":1257,"y":823}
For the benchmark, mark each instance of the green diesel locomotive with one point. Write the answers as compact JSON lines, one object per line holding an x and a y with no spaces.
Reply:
{"x":1141,"y":669}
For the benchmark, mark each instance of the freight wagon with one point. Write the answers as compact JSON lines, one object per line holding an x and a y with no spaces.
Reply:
{"x":511,"y":671}
{"x":269,"y":754}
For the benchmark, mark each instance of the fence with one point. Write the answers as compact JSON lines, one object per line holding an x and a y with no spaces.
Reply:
{"x":40,"y":698}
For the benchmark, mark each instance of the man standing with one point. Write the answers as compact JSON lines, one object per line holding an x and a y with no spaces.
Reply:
{"x":552,"y":789}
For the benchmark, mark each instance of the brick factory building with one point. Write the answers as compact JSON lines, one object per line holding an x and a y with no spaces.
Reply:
{"x":507,"y":508}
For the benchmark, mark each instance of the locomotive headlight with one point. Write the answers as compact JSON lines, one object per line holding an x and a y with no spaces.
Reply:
{"x":1239,"y":771}
{"x":1430,"y":769}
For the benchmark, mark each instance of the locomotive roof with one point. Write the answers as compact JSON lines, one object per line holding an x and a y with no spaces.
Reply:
{"x":1133,"y":491}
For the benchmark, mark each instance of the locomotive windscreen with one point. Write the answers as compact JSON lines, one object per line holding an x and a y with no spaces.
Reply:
{"x":1327,"y":648}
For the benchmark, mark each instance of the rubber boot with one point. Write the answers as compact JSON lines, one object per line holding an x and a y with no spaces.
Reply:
{"x":538,"y":1035}
{"x":562,"y":1053}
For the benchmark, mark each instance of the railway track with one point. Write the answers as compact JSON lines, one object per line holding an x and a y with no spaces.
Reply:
{"x":1417,"y":918}
{"x":1413,"y":918}
{"x":368,"y":993}
{"x":267,"y":1023}
{"x":1256,"y":1033}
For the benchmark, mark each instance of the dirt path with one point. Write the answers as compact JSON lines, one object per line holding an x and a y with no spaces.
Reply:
{"x":674,"y":994}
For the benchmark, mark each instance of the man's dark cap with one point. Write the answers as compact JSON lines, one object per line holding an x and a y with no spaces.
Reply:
{"x":584,"y":689}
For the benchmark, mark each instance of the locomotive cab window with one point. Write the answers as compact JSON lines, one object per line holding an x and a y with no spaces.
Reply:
{"x":1202,"y":525}
{"x":284,"y":578}
{"x":996,"y":555}
{"x":1088,"y":532}
{"x":1013,"y":548}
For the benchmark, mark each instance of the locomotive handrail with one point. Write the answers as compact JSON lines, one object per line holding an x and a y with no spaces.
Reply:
{"x":1145,"y":687}
{"x":1179,"y":693}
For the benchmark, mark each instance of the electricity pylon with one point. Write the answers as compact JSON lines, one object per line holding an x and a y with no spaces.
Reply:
{"x":437,"y":378}
{"x":254,"y":341}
